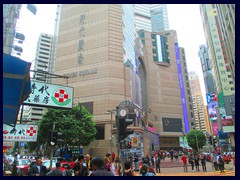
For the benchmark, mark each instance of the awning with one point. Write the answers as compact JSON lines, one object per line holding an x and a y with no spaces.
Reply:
{"x":16,"y":86}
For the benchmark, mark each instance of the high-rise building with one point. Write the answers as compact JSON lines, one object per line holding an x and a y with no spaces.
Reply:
{"x":98,"y":50}
{"x":159,"y":17}
{"x":219,"y":59}
{"x":142,"y":17}
{"x":226,"y":15}
{"x":41,"y":70}
{"x":215,"y":32}
{"x":168,"y":91}
{"x":151,"y":17}
{"x":207,"y":69}
{"x":198,"y":106}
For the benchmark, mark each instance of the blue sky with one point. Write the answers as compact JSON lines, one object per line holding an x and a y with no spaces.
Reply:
{"x":184,"y":18}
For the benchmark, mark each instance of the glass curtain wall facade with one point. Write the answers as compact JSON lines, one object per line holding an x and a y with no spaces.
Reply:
{"x":159,"y":17}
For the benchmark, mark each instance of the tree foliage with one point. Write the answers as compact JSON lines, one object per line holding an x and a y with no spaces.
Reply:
{"x":194,"y":137}
{"x":76,"y":124}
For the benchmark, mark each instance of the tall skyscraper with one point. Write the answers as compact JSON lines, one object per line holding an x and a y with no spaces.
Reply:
{"x":219,"y":59}
{"x":143,"y":17}
{"x":167,"y":94}
{"x":41,"y":70}
{"x":151,"y":17}
{"x":198,"y":105}
{"x":159,"y":17}
{"x":207,"y":69}
{"x":215,"y":32}
{"x":226,"y":15}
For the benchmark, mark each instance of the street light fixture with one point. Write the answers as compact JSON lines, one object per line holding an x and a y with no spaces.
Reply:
{"x":111,"y":112}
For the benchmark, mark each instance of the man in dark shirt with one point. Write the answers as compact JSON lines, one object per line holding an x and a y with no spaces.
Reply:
{"x":136,"y":161}
{"x":37,"y":169}
{"x":98,"y":167}
{"x":80,"y":168}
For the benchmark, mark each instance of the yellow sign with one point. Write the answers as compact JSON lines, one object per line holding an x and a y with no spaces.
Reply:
{"x":135,"y":142}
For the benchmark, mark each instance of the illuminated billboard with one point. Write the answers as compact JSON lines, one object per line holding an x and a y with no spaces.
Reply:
{"x":212,"y":111}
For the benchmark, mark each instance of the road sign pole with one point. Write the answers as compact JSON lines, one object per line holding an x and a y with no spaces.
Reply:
{"x":51,"y":157}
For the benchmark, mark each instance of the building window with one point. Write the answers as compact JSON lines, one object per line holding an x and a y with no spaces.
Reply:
{"x":190,"y":105}
{"x":100,"y":132}
{"x":88,"y":106}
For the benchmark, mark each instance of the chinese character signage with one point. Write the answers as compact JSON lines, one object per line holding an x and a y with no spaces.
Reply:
{"x":44,"y":94}
{"x":21,"y":132}
{"x":229,"y":102}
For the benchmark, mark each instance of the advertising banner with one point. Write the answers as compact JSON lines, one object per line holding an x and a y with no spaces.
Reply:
{"x":212,"y":110}
{"x":215,"y":128}
{"x":21,"y":132}
{"x":135,"y":142}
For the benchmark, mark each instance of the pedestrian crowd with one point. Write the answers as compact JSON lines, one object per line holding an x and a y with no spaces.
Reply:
{"x":111,"y":165}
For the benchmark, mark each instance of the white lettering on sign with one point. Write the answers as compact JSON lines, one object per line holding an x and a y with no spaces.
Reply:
{"x":81,"y":73}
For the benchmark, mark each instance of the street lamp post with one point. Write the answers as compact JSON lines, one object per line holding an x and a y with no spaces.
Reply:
{"x":111,"y":112}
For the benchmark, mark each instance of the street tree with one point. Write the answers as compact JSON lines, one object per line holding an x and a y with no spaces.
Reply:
{"x":196,"y":138}
{"x":76,"y":125}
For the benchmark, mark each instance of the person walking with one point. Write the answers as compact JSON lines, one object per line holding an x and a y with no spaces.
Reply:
{"x":99,"y":169}
{"x":203,"y":159}
{"x":184,"y":160}
{"x":196,"y":161}
{"x":158,"y":162}
{"x":214,"y":161}
{"x":191,"y":161}
{"x":136,"y":163}
{"x":220,"y":162}
{"x":14,"y":165}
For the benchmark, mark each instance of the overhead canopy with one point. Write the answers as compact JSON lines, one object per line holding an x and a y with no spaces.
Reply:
{"x":16,"y":86}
